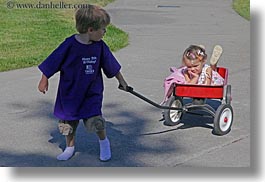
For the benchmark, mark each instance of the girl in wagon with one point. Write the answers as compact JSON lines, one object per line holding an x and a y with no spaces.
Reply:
{"x":194,"y":69}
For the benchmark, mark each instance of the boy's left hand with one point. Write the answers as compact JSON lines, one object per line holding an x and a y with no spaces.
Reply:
{"x":122,"y":83}
{"x":123,"y":86}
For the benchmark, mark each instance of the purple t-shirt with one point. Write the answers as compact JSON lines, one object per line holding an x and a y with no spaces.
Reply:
{"x":80,"y":90}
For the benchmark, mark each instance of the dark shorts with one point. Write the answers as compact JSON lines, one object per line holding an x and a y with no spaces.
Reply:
{"x":93,"y":124}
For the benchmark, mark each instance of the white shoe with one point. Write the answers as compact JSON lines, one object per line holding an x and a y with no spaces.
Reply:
{"x":217,"y":52}
{"x":105,"y":152}
{"x":67,"y":154}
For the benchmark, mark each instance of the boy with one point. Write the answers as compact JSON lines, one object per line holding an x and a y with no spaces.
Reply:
{"x":79,"y":59}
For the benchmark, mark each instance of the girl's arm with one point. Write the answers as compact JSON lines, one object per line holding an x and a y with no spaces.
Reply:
{"x":190,"y":77}
{"x":208,"y":79}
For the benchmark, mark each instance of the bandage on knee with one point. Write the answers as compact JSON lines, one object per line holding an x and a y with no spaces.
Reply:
{"x":65,"y":128}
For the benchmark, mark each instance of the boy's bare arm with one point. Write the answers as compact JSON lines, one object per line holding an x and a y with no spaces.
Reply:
{"x":123,"y":85}
{"x":43,"y":84}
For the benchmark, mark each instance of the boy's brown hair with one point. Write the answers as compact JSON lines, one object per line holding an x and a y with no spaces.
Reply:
{"x":91,"y":16}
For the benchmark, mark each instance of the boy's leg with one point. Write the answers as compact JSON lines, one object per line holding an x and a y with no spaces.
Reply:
{"x":101,"y":134}
{"x":217,"y":52}
{"x":97,"y":124}
{"x":70,"y":140}
{"x":68,"y":129}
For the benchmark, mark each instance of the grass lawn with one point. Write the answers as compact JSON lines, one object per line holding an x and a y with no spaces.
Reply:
{"x":242,"y":7}
{"x":28,"y":36}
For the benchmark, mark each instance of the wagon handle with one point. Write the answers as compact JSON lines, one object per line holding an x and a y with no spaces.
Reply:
{"x":131,"y":90}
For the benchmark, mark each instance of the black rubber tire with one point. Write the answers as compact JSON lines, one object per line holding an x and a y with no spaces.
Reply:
{"x":173,"y":117}
{"x":223,"y":119}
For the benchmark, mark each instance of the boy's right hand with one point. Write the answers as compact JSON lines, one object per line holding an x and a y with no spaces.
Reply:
{"x":43,"y":84}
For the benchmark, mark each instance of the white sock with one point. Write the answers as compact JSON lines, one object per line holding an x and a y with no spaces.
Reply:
{"x":105,"y":152}
{"x":67,"y":154}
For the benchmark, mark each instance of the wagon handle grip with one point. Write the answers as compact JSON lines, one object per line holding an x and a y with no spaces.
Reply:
{"x":128,"y":88}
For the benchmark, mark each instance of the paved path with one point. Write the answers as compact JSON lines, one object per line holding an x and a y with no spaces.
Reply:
{"x":159,"y":32}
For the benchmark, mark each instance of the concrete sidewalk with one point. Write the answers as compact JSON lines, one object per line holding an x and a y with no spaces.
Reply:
{"x":159,"y":32}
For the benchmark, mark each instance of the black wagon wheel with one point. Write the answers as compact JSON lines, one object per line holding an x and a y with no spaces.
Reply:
{"x":223,"y":119}
{"x":173,"y":117}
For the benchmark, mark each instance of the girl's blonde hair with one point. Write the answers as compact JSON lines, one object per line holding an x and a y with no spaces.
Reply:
{"x":91,"y":16}
{"x":194,"y":52}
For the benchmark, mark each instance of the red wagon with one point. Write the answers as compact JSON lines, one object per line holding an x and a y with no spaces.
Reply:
{"x":175,"y":108}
